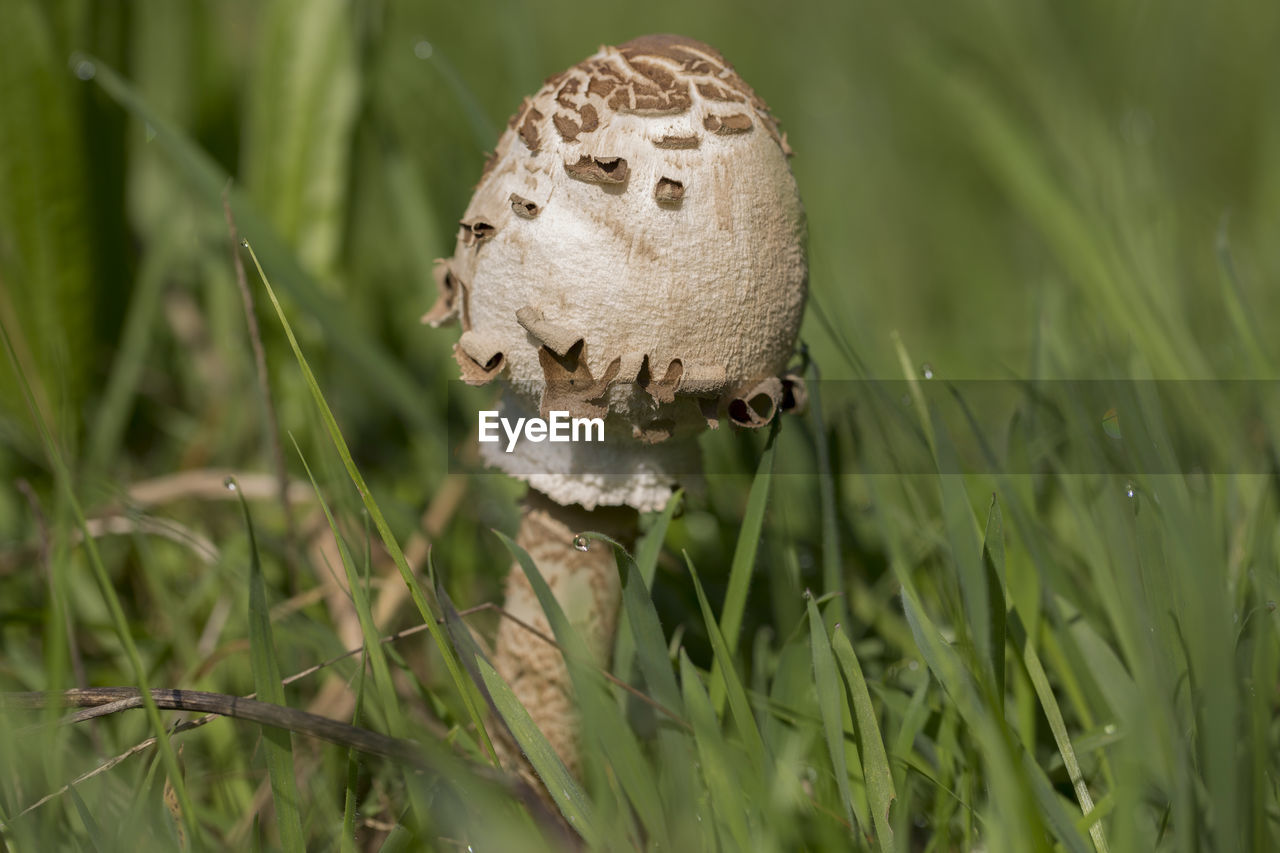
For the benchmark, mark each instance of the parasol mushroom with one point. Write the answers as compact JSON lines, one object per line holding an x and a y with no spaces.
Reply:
{"x":634,"y":252}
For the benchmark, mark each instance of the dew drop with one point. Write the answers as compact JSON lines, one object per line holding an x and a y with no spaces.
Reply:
{"x":1109,"y":728}
{"x":580,"y":542}
{"x":807,"y":595}
{"x":230,"y":484}
{"x":913,"y":665}
{"x":926,"y":370}
{"x":244,"y":241}
{"x":423,"y":49}
{"x":83,"y":67}
{"x":1130,"y":490}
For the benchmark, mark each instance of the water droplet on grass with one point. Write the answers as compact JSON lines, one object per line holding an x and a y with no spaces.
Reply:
{"x":423,"y":49}
{"x":230,"y":484}
{"x":244,"y":241}
{"x":1130,"y":490}
{"x":83,"y":66}
{"x":580,"y":542}
{"x":926,"y":370}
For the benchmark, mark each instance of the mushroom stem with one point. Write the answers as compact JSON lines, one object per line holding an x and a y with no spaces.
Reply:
{"x":586,"y":584}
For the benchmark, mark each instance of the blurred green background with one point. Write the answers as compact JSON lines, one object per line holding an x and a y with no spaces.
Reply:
{"x":1017,"y":189}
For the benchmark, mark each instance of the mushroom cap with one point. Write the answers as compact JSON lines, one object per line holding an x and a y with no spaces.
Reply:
{"x":635,"y":248}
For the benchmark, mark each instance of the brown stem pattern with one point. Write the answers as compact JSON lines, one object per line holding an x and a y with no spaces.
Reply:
{"x":587,"y":586}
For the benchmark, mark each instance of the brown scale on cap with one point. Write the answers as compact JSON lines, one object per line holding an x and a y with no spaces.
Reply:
{"x":651,"y":75}
{"x":659,"y":78}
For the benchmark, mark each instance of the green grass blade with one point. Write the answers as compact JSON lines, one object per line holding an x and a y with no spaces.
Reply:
{"x":984,"y":623}
{"x":1054,"y":811}
{"x":913,"y":387}
{"x":738,"y":704}
{"x":460,"y":634}
{"x":351,"y":796}
{"x":677,"y":781}
{"x":993,"y":566}
{"x":571,"y":643}
{"x":646,"y":561}
{"x":564,"y":789}
{"x":718,"y":771}
{"x":831,"y":703}
{"x":374,"y":652}
{"x":373,"y":648}
{"x":375,"y":513}
{"x":1233,"y":298}
{"x":1058,"y":726}
{"x":645,"y":631}
{"x":603,"y":728}
{"x":875,"y":761}
{"x":62,"y":475}
{"x":649,"y":548}
{"x":983,"y":602}
{"x":1005,"y":773}
{"x":744,"y":561}
{"x":266,"y":681}
{"x":47,"y":295}
{"x":303,"y":102}
{"x":832,"y":576}
{"x":913,"y":719}
{"x":130,"y":361}
{"x":93,"y":832}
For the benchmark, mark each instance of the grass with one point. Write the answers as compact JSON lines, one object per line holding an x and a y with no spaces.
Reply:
{"x":946,"y":613}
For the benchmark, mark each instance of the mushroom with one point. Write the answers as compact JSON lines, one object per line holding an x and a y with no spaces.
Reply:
{"x":634,"y":252}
